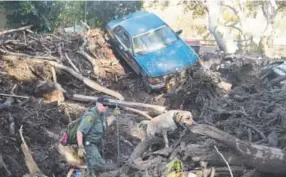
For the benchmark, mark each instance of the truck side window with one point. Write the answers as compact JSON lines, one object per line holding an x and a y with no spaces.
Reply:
{"x":122,"y":36}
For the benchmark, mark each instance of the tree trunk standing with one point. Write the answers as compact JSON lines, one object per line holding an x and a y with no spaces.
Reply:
{"x":269,"y":9}
{"x":225,"y":41}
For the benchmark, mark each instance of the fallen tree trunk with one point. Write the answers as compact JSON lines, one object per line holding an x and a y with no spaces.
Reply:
{"x":15,"y":30}
{"x":158,"y":109}
{"x":85,"y":80}
{"x":263,"y":158}
{"x":200,"y":153}
{"x":21,"y":55}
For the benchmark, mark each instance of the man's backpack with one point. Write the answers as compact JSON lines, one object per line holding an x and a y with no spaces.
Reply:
{"x":70,"y":135}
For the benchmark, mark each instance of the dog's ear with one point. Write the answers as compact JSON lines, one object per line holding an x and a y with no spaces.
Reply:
{"x":179,"y":116}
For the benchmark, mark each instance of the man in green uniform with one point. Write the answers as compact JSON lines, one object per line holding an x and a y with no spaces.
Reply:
{"x":89,"y":135}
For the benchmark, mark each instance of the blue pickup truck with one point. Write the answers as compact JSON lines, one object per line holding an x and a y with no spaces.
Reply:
{"x":150,"y":47}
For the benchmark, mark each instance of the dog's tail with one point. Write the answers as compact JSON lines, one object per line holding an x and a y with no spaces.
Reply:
{"x":143,"y":124}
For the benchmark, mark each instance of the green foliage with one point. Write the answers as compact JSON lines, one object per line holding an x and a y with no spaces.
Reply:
{"x":73,"y":12}
{"x":201,"y":29}
{"x":47,"y":15}
{"x":100,"y":12}
{"x":175,"y":165}
{"x":197,"y":7}
{"x":228,"y":15}
{"x":43,"y":15}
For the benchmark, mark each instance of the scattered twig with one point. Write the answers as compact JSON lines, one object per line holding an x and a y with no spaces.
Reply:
{"x":24,"y":33}
{"x":3,"y":164}
{"x":255,"y":129}
{"x":16,"y":96}
{"x":14,"y":87}
{"x":71,"y":63}
{"x":54,"y":74}
{"x":224,"y":161}
{"x":60,"y":52}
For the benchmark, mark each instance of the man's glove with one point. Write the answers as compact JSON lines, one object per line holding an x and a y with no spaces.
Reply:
{"x":81,"y":151}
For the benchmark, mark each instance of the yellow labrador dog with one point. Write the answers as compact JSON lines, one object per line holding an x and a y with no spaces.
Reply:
{"x":169,"y":121}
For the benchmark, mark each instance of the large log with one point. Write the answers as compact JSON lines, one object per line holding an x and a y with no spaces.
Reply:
{"x":202,"y":153}
{"x":264,"y":159}
{"x":80,"y":77}
{"x":158,"y":109}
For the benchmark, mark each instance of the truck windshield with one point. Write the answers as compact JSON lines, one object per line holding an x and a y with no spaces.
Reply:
{"x":153,"y":40}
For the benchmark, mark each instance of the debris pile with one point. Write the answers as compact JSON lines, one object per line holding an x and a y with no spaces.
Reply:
{"x":51,"y":79}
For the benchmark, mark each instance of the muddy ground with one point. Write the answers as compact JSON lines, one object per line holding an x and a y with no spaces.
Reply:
{"x":250,"y":109}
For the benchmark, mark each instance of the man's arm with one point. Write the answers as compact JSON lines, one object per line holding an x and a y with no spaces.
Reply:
{"x":84,"y":127}
{"x":79,"y":136}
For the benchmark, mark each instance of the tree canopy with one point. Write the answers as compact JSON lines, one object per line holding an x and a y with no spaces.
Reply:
{"x":47,"y":15}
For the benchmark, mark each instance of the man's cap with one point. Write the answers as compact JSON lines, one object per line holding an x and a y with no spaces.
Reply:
{"x":101,"y":99}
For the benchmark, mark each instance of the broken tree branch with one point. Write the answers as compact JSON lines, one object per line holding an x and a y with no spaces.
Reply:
{"x":92,"y":60}
{"x":263,"y":158}
{"x":71,"y":63}
{"x":224,"y":161}
{"x":85,"y":24}
{"x":158,"y":109}
{"x":142,"y":113}
{"x":15,"y":55}
{"x":90,"y":83}
{"x":30,"y":162}
{"x":15,"y":30}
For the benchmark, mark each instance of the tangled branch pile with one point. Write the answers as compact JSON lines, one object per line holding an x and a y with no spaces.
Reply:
{"x":66,"y":48}
{"x":247,"y":115}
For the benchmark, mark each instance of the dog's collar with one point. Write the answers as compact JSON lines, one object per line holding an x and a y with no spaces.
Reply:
{"x":177,"y":124}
